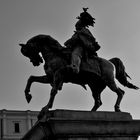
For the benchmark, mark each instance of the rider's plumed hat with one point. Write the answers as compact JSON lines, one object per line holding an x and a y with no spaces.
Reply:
{"x":86,"y":18}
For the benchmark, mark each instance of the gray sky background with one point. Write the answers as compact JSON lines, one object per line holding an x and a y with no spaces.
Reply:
{"x":117,"y":30}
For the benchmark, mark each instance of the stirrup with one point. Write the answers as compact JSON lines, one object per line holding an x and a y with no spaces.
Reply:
{"x":75,"y":69}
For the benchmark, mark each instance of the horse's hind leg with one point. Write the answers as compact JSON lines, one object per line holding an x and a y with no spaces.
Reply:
{"x":96,"y":93}
{"x":120,"y":94}
{"x":109,"y":78}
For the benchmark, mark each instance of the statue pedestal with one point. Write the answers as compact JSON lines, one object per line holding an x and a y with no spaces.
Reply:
{"x":85,"y":125}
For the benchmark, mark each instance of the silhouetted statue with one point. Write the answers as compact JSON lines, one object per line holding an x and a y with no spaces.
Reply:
{"x":94,"y":71}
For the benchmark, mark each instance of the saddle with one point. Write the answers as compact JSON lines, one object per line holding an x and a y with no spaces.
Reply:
{"x":91,"y":65}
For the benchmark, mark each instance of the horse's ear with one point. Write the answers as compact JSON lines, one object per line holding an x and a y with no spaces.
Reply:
{"x":22,"y":45}
{"x":24,"y":49}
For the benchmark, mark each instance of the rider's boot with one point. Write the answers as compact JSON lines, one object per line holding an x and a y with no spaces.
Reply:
{"x":75,"y":64}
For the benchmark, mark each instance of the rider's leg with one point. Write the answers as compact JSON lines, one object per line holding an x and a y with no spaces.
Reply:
{"x":75,"y":63}
{"x":76,"y":58}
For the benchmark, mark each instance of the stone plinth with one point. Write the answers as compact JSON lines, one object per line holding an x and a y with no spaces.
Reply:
{"x":85,"y":125}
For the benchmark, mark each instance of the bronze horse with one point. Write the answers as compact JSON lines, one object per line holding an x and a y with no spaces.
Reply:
{"x":57,"y":59}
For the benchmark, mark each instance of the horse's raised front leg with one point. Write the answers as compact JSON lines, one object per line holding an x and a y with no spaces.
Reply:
{"x":40,"y":79}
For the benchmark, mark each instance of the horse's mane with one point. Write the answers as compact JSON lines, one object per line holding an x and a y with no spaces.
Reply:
{"x":45,"y":39}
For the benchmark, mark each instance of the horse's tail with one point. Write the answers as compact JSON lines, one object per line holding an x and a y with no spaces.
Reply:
{"x":121,"y":75}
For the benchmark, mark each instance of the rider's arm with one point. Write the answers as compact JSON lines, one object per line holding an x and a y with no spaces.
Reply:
{"x":88,"y":40}
{"x":88,"y":44}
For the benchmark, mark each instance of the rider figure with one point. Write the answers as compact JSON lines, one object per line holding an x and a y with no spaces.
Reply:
{"x":82,"y":42}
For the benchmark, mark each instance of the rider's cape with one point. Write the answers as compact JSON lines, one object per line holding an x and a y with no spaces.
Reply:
{"x":88,"y":40}
{"x":85,"y":38}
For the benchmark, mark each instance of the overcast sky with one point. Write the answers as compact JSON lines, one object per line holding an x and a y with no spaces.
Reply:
{"x":117,"y":30}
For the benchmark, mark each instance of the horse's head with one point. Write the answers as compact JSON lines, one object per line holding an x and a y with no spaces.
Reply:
{"x":29,"y":50}
{"x":40,"y":43}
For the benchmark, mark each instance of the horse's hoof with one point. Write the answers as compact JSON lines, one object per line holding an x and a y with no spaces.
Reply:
{"x":117,"y":110}
{"x":28,"y":97}
{"x":93,"y":110}
{"x":42,"y":113}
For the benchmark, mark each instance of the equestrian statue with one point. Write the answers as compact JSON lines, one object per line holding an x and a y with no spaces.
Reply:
{"x":76,"y":62}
